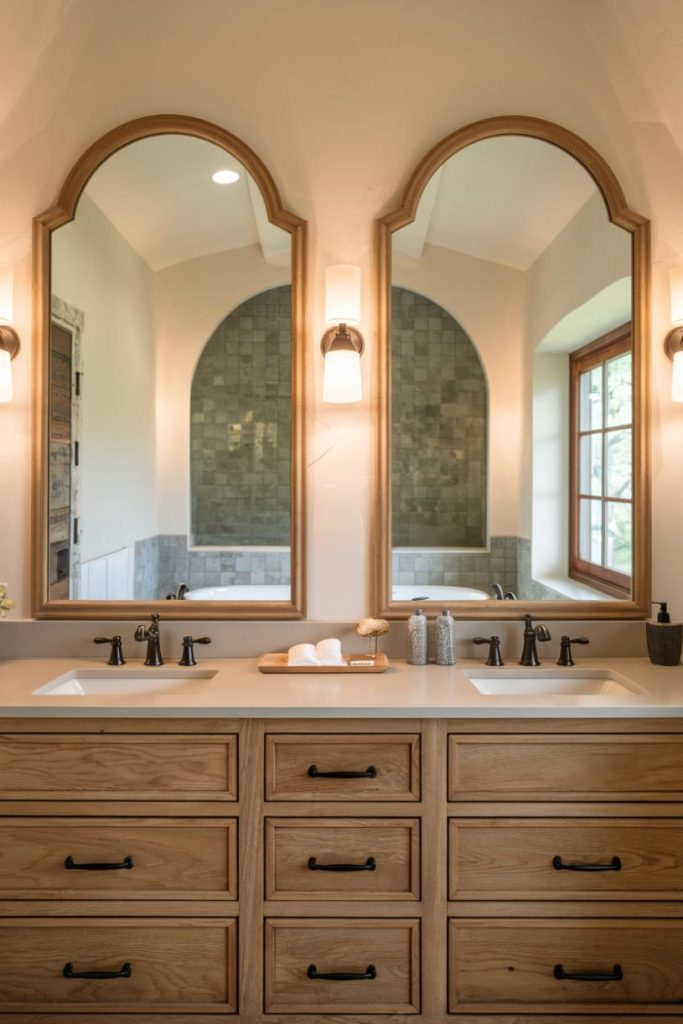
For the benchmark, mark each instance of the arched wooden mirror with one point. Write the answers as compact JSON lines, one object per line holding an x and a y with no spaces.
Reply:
{"x":169,"y":294}
{"x":512,"y":299}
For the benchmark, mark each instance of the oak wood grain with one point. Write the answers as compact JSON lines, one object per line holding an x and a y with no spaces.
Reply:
{"x":392,"y":843}
{"x":565,"y":767}
{"x":391,"y":945}
{"x":175,"y":964}
{"x":141,"y":766}
{"x":174,"y":858}
{"x":395,"y":758}
{"x":509,"y":964}
{"x":502,"y":859}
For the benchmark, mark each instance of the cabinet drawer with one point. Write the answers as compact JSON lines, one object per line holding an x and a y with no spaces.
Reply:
{"x":512,"y":965}
{"x":173,"y":966}
{"x":560,"y":859}
{"x":568,"y":767}
{"x":167,"y":858}
{"x":108,"y":767}
{"x":384,"y":953}
{"x":342,"y":858}
{"x":378,"y":767}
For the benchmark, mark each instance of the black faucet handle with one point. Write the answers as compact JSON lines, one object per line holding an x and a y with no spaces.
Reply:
{"x":188,"y":659}
{"x":566,"y":642}
{"x":494,"y":656}
{"x":116,"y":655}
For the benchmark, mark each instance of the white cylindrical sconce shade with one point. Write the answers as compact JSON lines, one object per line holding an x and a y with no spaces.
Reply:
{"x":342,"y":294}
{"x":677,"y":378}
{"x":341,"y":377}
{"x":6,"y":389}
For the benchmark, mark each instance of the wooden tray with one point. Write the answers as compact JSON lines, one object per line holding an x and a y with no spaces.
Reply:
{"x":278,"y":663}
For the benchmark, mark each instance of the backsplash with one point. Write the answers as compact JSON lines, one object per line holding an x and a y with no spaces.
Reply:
{"x":507,"y":561}
{"x":163,"y":562}
{"x":240,"y":426}
{"x":438,"y":432}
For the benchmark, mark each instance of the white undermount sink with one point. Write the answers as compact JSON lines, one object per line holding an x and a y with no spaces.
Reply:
{"x":544,"y":683}
{"x":119,"y":682}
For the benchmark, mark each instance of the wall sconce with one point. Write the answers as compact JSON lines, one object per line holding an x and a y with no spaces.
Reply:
{"x":9,"y":339}
{"x":673,"y":343}
{"x":342,"y":345}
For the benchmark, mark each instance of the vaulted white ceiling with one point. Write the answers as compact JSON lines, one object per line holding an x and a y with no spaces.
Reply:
{"x":159,"y":194}
{"x":503,"y":200}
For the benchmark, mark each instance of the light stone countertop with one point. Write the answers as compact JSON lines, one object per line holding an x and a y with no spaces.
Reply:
{"x":239,"y":690}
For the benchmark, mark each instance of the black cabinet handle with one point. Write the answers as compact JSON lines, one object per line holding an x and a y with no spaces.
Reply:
{"x":369,"y":773}
{"x":370,"y":865}
{"x":125,"y":972}
{"x":614,"y":865}
{"x":616,"y":974}
{"x":125,"y":865}
{"x":369,"y":975}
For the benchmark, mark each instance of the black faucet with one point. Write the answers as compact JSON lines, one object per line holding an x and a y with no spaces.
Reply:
{"x":494,"y":655}
{"x":566,"y":658}
{"x":152,"y":637}
{"x":532,"y":633}
{"x":188,"y":657}
{"x":116,"y":655}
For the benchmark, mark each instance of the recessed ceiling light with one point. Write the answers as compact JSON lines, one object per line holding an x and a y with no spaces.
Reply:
{"x":225,"y":177}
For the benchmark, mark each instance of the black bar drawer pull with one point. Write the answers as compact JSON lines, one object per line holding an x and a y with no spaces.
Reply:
{"x":125,"y":864}
{"x":616,"y":974}
{"x":125,"y":972}
{"x":369,"y":773}
{"x":614,"y":865}
{"x":370,"y":865}
{"x":369,"y":975}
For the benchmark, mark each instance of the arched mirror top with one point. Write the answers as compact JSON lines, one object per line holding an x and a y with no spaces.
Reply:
{"x":517,"y":231}
{"x":152,"y":494}
{"x":527,"y":127}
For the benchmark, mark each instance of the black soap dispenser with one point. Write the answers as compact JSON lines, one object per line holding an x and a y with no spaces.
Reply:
{"x":664,"y":638}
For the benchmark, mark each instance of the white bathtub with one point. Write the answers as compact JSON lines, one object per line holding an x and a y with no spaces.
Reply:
{"x":241,"y":592}
{"x":404,"y":592}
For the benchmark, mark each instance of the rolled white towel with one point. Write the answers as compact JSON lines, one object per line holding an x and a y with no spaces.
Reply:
{"x":302,"y":654}
{"x":328,"y":652}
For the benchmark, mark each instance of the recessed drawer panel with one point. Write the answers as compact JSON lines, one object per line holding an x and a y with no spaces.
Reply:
{"x":536,"y":767}
{"x":343,"y":767}
{"x":560,"y":859}
{"x":142,"y":858}
{"x":342,"y":858}
{"x":146,"y":965}
{"x":528,"y":965}
{"x":108,"y":767}
{"x":342,"y":966}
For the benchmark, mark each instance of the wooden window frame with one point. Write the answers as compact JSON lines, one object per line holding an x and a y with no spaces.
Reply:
{"x":597,"y":353}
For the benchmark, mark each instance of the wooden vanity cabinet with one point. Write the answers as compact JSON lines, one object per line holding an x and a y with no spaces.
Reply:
{"x":270,"y":872}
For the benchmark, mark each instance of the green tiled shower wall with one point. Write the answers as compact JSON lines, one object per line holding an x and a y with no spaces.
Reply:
{"x":163,"y":562}
{"x":506,"y":561}
{"x":438,"y":429}
{"x":240,"y":433}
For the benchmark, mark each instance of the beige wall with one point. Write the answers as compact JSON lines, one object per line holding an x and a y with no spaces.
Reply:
{"x":341,"y":147}
{"x":96,"y":270}
{"x":588,"y":256}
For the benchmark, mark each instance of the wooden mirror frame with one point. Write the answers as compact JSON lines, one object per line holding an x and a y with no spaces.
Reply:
{"x":639,"y":604}
{"x":64,"y":211}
